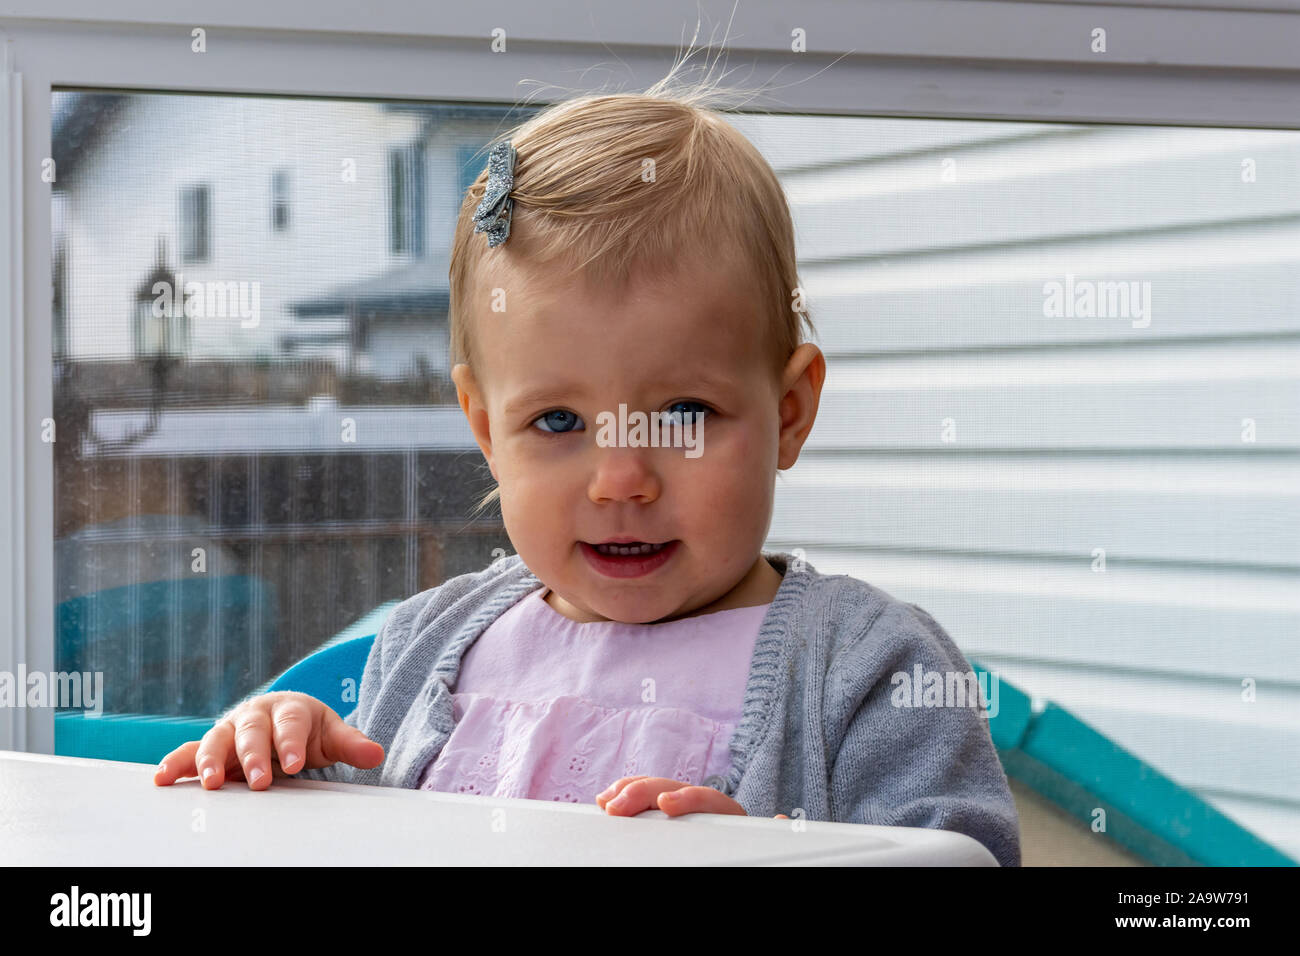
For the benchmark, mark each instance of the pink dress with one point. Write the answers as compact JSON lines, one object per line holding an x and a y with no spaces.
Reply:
{"x":548,"y":708}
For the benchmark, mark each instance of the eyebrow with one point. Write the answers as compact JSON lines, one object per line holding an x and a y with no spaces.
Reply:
{"x":539,"y":396}
{"x":542,"y":396}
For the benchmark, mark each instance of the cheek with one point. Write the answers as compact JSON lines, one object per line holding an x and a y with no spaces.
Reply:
{"x":529,"y":523}
{"x":534,"y":494}
{"x":520,"y":464}
{"x":750,"y":448}
{"x":735,"y":473}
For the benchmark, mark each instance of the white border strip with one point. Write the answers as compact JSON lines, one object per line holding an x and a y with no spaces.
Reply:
{"x":1055,"y":32}
{"x":13,"y":584}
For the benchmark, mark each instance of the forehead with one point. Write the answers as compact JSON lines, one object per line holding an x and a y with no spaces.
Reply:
{"x":699,"y":314}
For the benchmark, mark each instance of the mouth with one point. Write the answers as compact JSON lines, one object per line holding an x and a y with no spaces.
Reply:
{"x":628,"y":559}
{"x":627,"y":549}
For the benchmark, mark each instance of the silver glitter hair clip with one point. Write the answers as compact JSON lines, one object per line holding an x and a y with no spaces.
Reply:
{"x":493,"y":213}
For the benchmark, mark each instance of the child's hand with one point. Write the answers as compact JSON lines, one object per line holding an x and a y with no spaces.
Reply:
{"x":239,"y":744}
{"x":628,"y":796}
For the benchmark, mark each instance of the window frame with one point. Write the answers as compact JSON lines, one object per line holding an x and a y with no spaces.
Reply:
{"x":1025,"y":61}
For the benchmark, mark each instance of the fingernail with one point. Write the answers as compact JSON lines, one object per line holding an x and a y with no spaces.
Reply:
{"x":618,"y":801}
{"x":256,"y":774}
{"x":207,"y":772}
{"x":670,"y":795}
{"x":289,"y":760}
{"x":162,"y":768}
{"x":606,"y":792}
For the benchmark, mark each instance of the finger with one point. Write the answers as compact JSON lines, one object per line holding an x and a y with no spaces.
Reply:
{"x":341,"y":742}
{"x":179,"y":763}
{"x":642,"y":794}
{"x":780,"y":816}
{"x":175,"y":764}
{"x":215,"y":751}
{"x":291,"y":723}
{"x":253,"y":744}
{"x":697,"y":800}
{"x":613,"y":790}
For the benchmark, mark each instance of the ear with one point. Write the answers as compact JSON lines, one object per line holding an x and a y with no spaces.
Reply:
{"x":470,"y":396}
{"x":801,"y":389}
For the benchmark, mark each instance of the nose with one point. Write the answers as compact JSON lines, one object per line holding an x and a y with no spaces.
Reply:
{"x":623,"y":474}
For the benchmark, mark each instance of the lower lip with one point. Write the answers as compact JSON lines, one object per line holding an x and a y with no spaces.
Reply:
{"x":632,"y":566}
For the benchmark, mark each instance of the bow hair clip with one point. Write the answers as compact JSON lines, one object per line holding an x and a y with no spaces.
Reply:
{"x":493,"y":213}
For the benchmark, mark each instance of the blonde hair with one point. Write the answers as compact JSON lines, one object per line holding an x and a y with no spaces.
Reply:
{"x":582,"y":199}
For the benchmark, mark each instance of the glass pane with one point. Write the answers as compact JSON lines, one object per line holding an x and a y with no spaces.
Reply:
{"x":1060,"y":412}
{"x":239,"y":481}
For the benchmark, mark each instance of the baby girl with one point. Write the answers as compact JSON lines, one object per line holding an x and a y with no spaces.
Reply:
{"x":641,"y":650}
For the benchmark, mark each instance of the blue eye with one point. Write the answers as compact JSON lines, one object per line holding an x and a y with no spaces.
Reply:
{"x":685,"y":417}
{"x":558,"y":421}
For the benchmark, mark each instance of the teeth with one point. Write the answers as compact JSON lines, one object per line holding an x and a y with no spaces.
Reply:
{"x":626,"y":550}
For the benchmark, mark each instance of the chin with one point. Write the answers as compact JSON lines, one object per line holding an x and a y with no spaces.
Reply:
{"x":633,"y":611}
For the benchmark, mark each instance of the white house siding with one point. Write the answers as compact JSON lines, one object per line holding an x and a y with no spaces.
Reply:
{"x":393,"y":345}
{"x":1072,"y":434}
{"x":127,"y":191}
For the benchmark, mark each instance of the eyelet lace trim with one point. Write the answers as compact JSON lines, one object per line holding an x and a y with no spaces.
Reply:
{"x":517,"y":764}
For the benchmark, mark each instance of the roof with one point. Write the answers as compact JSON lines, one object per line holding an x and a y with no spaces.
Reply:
{"x":418,"y":286}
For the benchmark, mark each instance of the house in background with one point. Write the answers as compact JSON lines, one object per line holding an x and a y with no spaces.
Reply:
{"x":400,"y":315}
{"x":216,"y":432}
{"x":340,"y":213}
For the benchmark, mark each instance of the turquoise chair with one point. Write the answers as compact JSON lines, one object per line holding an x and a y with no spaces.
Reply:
{"x":133,"y":738}
{"x":332,"y":674}
{"x":95,"y":631}
{"x":147,"y":738}
{"x":1081,"y":770}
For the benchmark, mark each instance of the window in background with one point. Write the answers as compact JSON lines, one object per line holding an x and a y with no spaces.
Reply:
{"x":406,"y":200}
{"x":194,"y":224}
{"x":280,"y":200}
{"x":470,"y":161}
